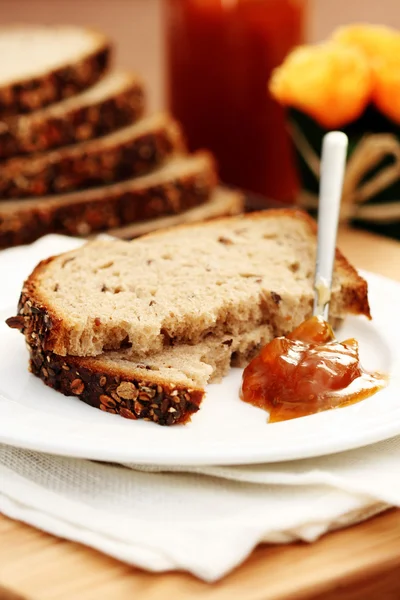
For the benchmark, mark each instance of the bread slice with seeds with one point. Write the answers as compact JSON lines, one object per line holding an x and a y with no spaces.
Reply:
{"x":177,"y":186}
{"x":127,"y":152}
{"x":224,"y":277}
{"x":113,"y":102}
{"x":166,"y":388}
{"x":41,"y":65}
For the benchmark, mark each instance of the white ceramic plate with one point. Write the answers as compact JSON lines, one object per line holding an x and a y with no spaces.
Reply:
{"x":225,"y":430}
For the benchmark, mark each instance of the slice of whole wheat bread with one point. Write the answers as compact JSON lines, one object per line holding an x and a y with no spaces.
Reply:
{"x":115,"y":101}
{"x":223,"y":202}
{"x":180,"y":184}
{"x":41,"y":65}
{"x":224,"y":277}
{"x":166,"y":388}
{"x":127,"y":152}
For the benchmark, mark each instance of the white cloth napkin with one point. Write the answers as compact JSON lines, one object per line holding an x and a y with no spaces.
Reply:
{"x":203,"y":520}
{"x":206,"y":520}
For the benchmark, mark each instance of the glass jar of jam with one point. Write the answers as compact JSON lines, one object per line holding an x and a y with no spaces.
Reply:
{"x":220,"y":54}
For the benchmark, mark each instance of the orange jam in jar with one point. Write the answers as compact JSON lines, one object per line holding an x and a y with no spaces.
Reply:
{"x":219,"y":57}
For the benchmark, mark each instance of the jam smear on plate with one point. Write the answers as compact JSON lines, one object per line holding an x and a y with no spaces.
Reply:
{"x":306,"y":372}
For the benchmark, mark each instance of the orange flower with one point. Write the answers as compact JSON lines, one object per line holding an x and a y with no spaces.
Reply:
{"x":381,"y":46}
{"x":332,"y":83}
{"x":372,"y":40}
{"x":387,"y":90}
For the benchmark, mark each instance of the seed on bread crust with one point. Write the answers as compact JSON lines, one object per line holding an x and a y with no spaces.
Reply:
{"x":77,"y":386}
{"x":127,"y":391}
{"x":127,"y":414}
{"x":16,"y":322}
{"x":107,"y":401}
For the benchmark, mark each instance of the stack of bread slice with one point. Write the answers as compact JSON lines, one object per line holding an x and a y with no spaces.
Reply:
{"x":139,"y":328}
{"x":78,"y":155}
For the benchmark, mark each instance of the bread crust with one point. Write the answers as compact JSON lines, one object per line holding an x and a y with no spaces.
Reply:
{"x":133,"y":396}
{"x":130,"y":387}
{"x":100,"y":209}
{"x":54,"y":328}
{"x":92,"y":163}
{"x":41,"y":132}
{"x":33,"y":93}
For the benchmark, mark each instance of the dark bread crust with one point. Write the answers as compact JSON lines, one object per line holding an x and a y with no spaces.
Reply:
{"x":55,"y":334}
{"x":164,"y":405}
{"x":111,"y":390}
{"x":104,"y":208}
{"x":68,"y":169}
{"x":32,"y":313}
{"x":29,"y":134}
{"x":33,"y":93}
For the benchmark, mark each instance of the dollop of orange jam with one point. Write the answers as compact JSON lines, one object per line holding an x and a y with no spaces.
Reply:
{"x":306,"y":372}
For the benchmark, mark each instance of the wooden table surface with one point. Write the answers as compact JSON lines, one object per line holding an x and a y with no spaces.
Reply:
{"x":358,"y":563}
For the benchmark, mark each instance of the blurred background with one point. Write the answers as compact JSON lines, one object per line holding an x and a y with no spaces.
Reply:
{"x":136,"y":26}
{"x":228,"y":72}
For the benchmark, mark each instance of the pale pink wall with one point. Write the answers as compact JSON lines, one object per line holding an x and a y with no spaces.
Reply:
{"x":136,"y":25}
{"x":328,"y":14}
